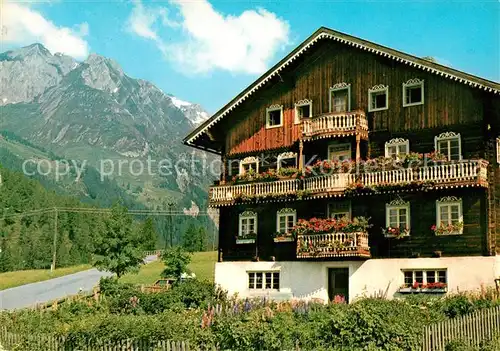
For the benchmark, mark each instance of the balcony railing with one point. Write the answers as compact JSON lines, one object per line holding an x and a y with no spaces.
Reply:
{"x":465,"y":173}
{"x":333,"y":245}
{"x":343,"y":123}
{"x":232,"y":192}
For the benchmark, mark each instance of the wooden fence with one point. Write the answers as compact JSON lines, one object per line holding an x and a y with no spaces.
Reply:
{"x":12,"y":341}
{"x":472,"y":329}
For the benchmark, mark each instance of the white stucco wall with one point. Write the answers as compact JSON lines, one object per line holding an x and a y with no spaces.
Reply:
{"x":306,"y":280}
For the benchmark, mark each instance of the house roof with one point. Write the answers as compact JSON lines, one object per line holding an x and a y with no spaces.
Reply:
{"x":326,"y":33}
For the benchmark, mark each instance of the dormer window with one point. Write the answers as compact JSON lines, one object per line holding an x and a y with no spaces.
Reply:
{"x":413,"y":92}
{"x":397,"y":148}
{"x":274,"y":116}
{"x":340,"y":98}
{"x":303,"y":109}
{"x":378,"y":98}
{"x":449,"y":144}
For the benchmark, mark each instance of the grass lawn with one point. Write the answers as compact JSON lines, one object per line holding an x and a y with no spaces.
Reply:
{"x":202,"y":264}
{"x":17,"y":278}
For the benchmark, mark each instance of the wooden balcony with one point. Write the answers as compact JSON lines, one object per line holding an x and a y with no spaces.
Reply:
{"x":336,"y":124}
{"x":461,"y":174}
{"x":227,"y":193}
{"x":333,"y":245}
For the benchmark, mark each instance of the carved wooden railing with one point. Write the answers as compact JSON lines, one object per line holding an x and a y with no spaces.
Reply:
{"x":333,"y":245}
{"x":342,"y":123}
{"x":232,"y":192}
{"x":472,"y":172}
{"x":334,"y":182}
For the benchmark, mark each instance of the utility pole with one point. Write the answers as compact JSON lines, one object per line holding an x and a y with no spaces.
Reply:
{"x":170,"y":206}
{"x":54,"y":249}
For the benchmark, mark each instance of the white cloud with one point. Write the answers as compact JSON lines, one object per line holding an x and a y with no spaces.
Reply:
{"x":22,"y":25}
{"x":210,"y":40}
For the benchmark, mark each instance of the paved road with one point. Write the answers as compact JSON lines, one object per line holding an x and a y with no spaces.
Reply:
{"x":31,"y":294}
{"x":48,"y":290}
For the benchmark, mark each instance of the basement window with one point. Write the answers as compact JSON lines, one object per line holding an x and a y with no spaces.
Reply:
{"x":378,"y":98}
{"x":413,"y":92}
{"x":425,"y":280}
{"x":263,"y":280}
{"x":274,"y":116}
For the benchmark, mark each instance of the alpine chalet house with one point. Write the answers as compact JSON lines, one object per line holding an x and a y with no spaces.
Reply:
{"x":352,"y":169}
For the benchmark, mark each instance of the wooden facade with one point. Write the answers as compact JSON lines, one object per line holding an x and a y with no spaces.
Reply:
{"x":448,"y":105}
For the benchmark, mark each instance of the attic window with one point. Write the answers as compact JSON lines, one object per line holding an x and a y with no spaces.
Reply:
{"x":378,"y":98}
{"x":303,"y":109}
{"x":413,"y":92}
{"x":274,"y":116}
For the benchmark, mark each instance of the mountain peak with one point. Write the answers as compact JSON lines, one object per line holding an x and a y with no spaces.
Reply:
{"x":98,"y":60}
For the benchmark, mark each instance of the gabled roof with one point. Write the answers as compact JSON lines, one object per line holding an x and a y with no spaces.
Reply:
{"x":326,"y":33}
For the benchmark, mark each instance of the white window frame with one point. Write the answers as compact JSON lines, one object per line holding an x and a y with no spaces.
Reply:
{"x":331,"y":213}
{"x":249,"y":160}
{"x":447,"y":136}
{"x":339,"y":153}
{"x":424,"y":274}
{"x":397,"y":205}
{"x":285,"y":156}
{"x":397,"y":142}
{"x":339,"y":87}
{"x":263,"y":275}
{"x":273,"y":108}
{"x":285,"y":212}
{"x":450,"y":201}
{"x":246,"y":216}
{"x":375,"y":90}
{"x":302,"y":103}
{"x":415,"y":82}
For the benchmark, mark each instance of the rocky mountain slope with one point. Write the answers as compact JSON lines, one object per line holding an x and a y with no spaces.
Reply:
{"x":92,"y":112}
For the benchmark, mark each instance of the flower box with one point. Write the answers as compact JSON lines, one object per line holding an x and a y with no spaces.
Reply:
{"x":283,"y":239}
{"x":450,"y":229}
{"x":411,"y":290}
{"x":245,"y":241}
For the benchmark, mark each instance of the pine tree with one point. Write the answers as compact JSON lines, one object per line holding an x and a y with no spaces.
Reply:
{"x":148,"y":234}
{"x":118,"y":249}
{"x":190,"y":240}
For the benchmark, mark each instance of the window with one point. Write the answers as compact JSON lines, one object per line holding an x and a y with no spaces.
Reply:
{"x":287,"y":159}
{"x":397,"y":147}
{"x":340,"y":98}
{"x":285,"y":220}
{"x":249,"y":164}
{"x":263,"y":280}
{"x":303,"y":109}
{"x":274,"y":116}
{"x":378,"y":98}
{"x":413,"y":92}
{"x":339,"y":152}
{"x":339,"y":209}
{"x":398,"y":215}
{"x":424,"y":277}
{"x":449,"y":144}
{"x":449,"y":213}
{"x":248,"y":223}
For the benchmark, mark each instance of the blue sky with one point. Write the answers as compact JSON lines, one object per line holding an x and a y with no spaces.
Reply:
{"x":145,"y":38}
